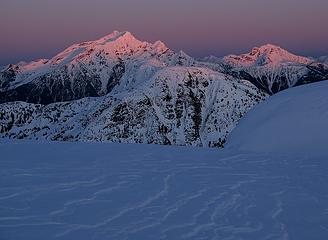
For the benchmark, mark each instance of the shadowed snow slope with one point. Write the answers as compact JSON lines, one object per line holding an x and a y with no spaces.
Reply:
{"x":293,"y":121}
{"x":80,"y":191}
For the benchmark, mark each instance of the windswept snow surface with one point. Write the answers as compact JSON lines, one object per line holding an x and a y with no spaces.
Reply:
{"x":294,"y":121}
{"x":121,"y":191}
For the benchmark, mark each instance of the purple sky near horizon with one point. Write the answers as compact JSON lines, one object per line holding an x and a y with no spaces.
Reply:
{"x":32,"y":29}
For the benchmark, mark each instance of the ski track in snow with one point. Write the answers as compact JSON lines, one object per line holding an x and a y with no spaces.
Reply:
{"x":123,"y":191}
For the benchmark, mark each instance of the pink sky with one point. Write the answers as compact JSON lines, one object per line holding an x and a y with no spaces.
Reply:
{"x":41,"y":28}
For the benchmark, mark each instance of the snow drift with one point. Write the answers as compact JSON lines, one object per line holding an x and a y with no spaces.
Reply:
{"x":293,"y":121}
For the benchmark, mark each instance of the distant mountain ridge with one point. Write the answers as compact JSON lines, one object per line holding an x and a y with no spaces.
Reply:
{"x":272,"y":68}
{"x":120,"y":89}
{"x":95,"y":68}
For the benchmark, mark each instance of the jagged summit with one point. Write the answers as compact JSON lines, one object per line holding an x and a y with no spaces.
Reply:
{"x":114,"y":44}
{"x":118,"y":44}
{"x":127,"y":37}
{"x":111,"y":37}
{"x":160,"y":46}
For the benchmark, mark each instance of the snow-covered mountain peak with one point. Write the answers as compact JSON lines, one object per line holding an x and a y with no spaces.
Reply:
{"x":269,"y":46}
{"x":267,"y":54}
{"x":273,"y":68}
{"x":117,"y":36}
{"x":274,"y":53}
{"x":116,"y":44}
{"x":160,"y":46}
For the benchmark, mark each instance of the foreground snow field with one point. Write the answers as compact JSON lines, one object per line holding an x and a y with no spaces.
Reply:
{"x":121,"y":191}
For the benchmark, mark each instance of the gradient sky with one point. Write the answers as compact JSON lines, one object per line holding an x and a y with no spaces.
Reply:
{"x":31,"y":29}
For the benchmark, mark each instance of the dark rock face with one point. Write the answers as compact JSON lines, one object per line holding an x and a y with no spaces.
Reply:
{"x":274,"y":81}
{"x":117,"y":74}
{"x":8,"y":75}
{"x":316,"y":72}
{"x":60,"y":86}
{"x":47,"y":89}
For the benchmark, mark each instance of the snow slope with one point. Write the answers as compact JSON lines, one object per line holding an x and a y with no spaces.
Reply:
{"x":83,"y":191}
{"x":293,"y":121}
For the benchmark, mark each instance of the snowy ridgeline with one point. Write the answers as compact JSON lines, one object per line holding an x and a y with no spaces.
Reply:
{"x":122,"y":191}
